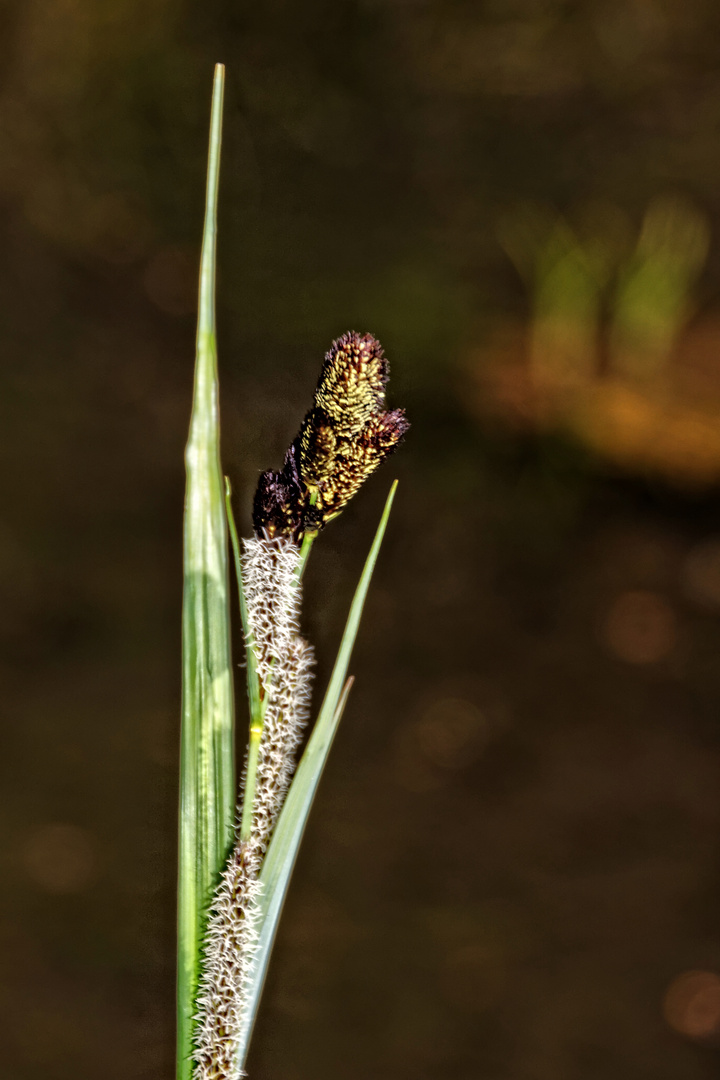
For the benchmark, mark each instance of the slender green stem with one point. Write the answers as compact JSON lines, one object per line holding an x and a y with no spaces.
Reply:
{"x":257,"y":723}
{"x":253,"y":681}
{"x":256,"y":701}
{"x":308,"y":540}
{"x":305,"y":549}
{"x":256,"y":730}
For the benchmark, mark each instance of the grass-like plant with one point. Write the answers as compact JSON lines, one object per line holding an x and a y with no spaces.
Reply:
{"x":235,"y":866}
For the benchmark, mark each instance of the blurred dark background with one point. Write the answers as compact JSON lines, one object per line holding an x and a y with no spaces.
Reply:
{"x":513,"y":868}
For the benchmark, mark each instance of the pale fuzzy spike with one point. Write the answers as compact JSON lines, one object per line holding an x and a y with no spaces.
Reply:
{"x":284,"y":661}
{"x":284,"y":664}
{"x":230,"y":943}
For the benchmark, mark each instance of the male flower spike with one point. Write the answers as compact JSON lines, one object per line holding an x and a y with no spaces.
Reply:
{"x":346,"y":435}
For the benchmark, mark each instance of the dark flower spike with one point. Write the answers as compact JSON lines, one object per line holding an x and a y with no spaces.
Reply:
{"x":351,"y":387}
{"x":279,"y":500}
{"x":343,"y":439}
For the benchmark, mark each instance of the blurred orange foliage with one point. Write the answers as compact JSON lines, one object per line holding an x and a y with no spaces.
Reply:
{"x":639,"y":386}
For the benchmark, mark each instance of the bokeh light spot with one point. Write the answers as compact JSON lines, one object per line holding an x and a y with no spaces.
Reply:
{"x":640,"y":627}
{"x":452,"y":732}
{"x":413,"y":771}
{"x":701,"y":574}
{"x":473,"y":976}
{"x":170,"y":280}
{"x":117,"y":231}
{"x":692,"y":1004}
{"x":60,"y":858}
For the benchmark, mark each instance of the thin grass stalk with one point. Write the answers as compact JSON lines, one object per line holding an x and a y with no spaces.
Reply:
{"x":346,"y":435}
{"x":207,"y":775}
{"x":253,"y":682}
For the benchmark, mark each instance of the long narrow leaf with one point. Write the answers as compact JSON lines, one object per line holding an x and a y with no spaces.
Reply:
{"x":207,"y":781}
{"x":282,"y":852}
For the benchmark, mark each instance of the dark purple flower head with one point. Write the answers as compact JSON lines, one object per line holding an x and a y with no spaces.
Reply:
{"x":346,"y":435}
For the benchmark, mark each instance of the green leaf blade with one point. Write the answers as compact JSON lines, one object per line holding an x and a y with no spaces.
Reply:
{"x":207,"y":775}
{"x":284,"y":845}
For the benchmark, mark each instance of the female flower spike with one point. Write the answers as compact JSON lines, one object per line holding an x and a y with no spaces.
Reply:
{"x":346,"y":435}
{"x":284,"y":664}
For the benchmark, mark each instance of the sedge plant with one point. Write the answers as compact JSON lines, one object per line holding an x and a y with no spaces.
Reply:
{"x":236,"y":856}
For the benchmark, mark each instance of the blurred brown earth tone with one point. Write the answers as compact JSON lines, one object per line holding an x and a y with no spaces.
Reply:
{"x":513,"y":869}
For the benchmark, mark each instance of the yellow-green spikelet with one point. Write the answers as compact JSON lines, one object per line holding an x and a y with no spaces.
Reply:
{"x":346,"y":435}
{"x":351,"y":387}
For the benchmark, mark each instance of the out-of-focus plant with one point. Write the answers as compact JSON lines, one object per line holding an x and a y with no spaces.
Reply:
{"x":566,"y":274}
{"x":653,"y":298}
{"x":600,"y":355}
{"x":233,"y":878}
